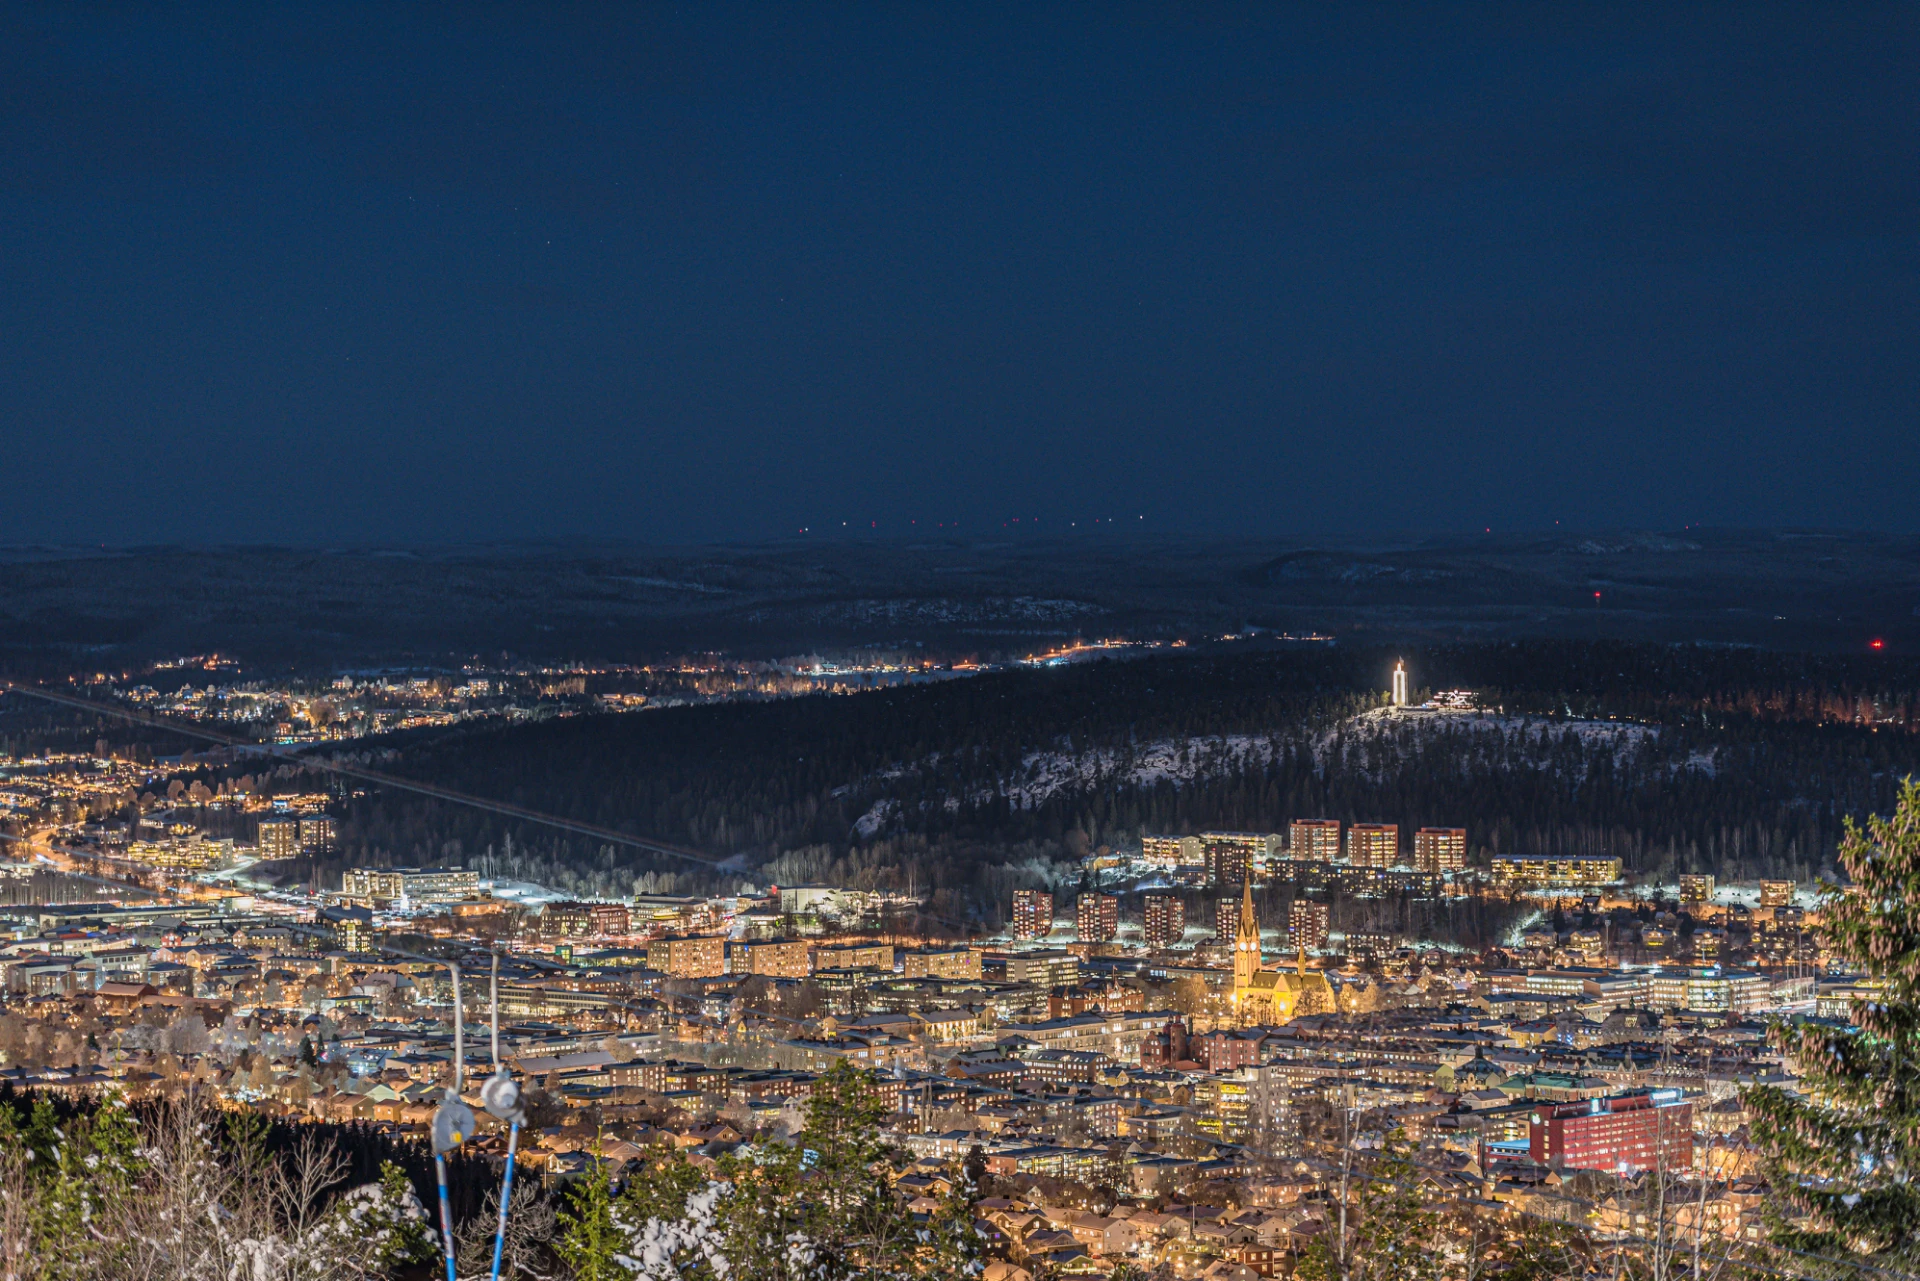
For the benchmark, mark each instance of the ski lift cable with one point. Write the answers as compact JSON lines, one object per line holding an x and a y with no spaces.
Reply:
{"x":364,"y":774}
{"x":399,"y":783}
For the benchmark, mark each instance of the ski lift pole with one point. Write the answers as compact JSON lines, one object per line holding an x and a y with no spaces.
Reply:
{"x":506,"y":1195}
{"x":452,"y":1122}
{"x":502,"y":1098}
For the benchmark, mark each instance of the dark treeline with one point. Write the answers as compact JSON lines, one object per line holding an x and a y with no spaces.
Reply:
{"x":1738,"y":761}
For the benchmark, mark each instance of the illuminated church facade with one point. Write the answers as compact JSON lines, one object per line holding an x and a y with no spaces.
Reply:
{"x":1263,"y":996}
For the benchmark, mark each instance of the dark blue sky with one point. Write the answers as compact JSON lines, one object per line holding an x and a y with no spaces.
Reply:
{"x":397,"y":273}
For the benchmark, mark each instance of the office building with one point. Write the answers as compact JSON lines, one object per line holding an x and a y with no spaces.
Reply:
{"x":1440,"y":850}
{"x":1373,"y":845}
{"x":1307,"y":923}
{"x":418,"y":885}
{"x":1097,"y":917}
{"x":279,"y":838}
{"x":1032,"y":914}
{"x":1166,"y":920}
{"x":1624,"y":1134}
{"x":1314,"y":840}
{"x":1711,"y":989}
{"x":1048,"y":969}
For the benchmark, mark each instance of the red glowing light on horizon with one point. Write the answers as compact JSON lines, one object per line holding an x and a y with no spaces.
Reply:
{"x":1876,"y":644}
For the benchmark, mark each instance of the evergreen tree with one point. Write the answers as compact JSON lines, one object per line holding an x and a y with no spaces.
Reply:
{"x":1843,"y":1154}
{"x":1396,"y":1234}
{"x":589,"y":1241}
{"x":375,"y":1230}
{"x":952,"y":1245}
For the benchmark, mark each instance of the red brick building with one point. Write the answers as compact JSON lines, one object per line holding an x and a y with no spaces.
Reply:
{"x":1626,"y":1134}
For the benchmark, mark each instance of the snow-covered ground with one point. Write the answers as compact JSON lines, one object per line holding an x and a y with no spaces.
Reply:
{"x":1374,"y":743}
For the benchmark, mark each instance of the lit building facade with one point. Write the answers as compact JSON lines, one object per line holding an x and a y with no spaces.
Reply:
{"x":279,"y":838}
{"x":1032,"y":914}
{"x":1555,"y":871}
{"x":1096,"y":918}
{"x":1440,"y":850}
{"x":1625,"y":1134}
{"x":1373,"y":845}
{"x":1307,"y":923}
{"x":1315,"y":840}
{"x":1166,"y":919}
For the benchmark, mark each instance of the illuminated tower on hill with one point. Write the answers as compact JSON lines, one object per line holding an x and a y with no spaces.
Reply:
{"x":1400,"y":683}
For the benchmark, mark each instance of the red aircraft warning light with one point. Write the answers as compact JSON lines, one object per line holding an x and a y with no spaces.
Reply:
{"x":1876,"y":643}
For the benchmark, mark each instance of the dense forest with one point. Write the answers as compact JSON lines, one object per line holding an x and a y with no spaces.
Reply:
{"x":1676,"y":758}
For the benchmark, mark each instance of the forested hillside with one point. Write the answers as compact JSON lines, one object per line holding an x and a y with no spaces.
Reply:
{"x":1736,"y":760}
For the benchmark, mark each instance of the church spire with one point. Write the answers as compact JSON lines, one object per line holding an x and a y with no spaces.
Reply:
{"x":1246,"y":940}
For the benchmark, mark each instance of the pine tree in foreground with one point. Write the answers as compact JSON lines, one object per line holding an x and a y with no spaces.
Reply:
{"x":1842,"y":1153}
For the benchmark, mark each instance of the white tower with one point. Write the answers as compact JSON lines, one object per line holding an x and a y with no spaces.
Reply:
{"x":1400,"y":683}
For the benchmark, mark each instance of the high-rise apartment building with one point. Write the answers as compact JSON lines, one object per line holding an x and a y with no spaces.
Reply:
{"x":1440,"y":850}
{"x":1307,"y":923}
{"x":1166,"y":919}
{"x":1226,"y":918}
{"x":1314,"y":840}
{"x":1696,"y":887}
{"x":316,"y":834}
{"x":1776,"y":894}
{"x":279,"y":838}
{"x":1233,"y":857}
{"x":1097,"y":917}
{"x":1373,"y":844}
{"x":1032,"y":914}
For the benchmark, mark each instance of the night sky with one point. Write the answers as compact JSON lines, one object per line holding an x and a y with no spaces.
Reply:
{"x":347,"y":275}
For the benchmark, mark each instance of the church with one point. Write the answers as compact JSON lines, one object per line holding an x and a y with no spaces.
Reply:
{"x":1263,"y":996}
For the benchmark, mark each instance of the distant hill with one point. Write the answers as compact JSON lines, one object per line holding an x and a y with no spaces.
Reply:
{"x":64,"y":607}
{"x":1675,"y":758}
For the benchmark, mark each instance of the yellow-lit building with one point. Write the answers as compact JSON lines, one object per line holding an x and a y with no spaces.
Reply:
{"x":1373,"y":844}
{"x":1269,"y":996}
{"x":1314,"y":840}
{"x":1555,"y":871}
{"x":1440,"y":850}
{"x":941,"y":963}
{"x":696,"y":956}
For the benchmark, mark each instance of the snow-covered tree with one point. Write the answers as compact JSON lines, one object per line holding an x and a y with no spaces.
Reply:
{"x":1842,"y":1153}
